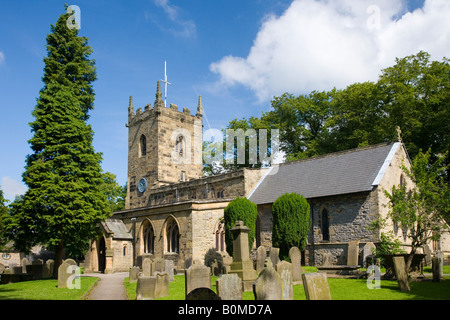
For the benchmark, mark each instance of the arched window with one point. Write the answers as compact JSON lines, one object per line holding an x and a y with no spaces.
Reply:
{"x":220,"y":236}
{"x":149,"y":239}
{"x":172,"y":236}
{"x":143,"y":146}
{"x":180,"y":146}
{"x":325,"y":226}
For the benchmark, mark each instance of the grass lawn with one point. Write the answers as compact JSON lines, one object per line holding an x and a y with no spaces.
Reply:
{"x":45,"y":290}
{"x":340,"y":288}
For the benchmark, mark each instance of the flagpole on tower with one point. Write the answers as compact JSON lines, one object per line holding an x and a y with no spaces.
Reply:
{"x":165,"y":83}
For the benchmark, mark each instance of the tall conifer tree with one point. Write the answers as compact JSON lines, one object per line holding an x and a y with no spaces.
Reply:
{"x":64,"y":202}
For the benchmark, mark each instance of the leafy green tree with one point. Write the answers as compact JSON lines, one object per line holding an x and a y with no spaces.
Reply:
{"x":422,"y":208}
{"x":65,"y":201}
{"x":115,"y":194}
{"x":4,"y":220}
{"x":240,"y":209}
{"x":290,"y":222}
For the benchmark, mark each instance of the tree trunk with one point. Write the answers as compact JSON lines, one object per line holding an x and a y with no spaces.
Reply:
{"x":409,"y":260}
{"x":58,"y":259}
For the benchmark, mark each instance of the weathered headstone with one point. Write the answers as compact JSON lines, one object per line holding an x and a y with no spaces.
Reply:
{"x":261,"y":255}
{"x":427,"y":252}
{"x":37,"y":270}
{"x":296,"y":257}
{"x":227,"y":261}
{"x":71,"y":262}
{"x":316,"y":286}
{"x":48,"y":268}
{"x":169,"y":268}
{"x":202,"y":294}
{"x":197,"y":276}
{"x":352,"y":253}
{"x":162,"y":284}
{"x":401,"y":274}
{"x":145,"y":288}
{"x":24,"y":264}
{"x":268,"y":285}
{"x":437,"y":266}
{"x":274,"y":255}
{"x":288,"y":287}
{"x":229,"y":287}
{"x":242,"y":265}
{"x":158,"y":265}
{"x":147,"y":267}
{"x":63,"y":274}
{"x":368,"y":252}
{"x":134,"y":274}
{"x":327,"y":259}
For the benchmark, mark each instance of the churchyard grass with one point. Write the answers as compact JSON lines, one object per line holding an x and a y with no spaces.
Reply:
{"x":45,"y":290}
{"x":340,"y":288}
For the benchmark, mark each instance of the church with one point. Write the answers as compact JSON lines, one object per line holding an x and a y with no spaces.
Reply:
{"x":173,"y":212}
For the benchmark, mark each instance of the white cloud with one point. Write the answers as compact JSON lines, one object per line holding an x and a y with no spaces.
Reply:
{"x":2,"y":57}
{"x":321,"y":44}
{"x":12,"y":188}
{"x":183,"y":28}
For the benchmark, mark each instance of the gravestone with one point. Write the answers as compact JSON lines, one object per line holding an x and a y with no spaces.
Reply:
{"x":17,"y":270}
{"x":268,"y":285}
{"x":288,"y":287}
{"x":327,"y":259}
{"x":427,"y":252}
{"x":296,"y":257}
{"x":227,"y":261}
{"x":48,"y":268}
{"x":437,"y":267}
{"x":38,"y":261}
{"x":134,"y":274}
{"x":368,"y":252}
{"x":242,"y":265}
{"x":71,"y":262}
{"x":37,"y":270}
{"x":261,"y":255}
{"x":284,"y":269}
{"x":401,"y":274}
{"x":24,"y":264}
{"x":64,"y":274}
{"x":316,"y":286}
{"x":158,"y":265}
{"x":147,"y":267}
{"x":274,"y":255}
{"x":162,"y":284}
{"x":197,"y":276}
{"x":169,"y":268}
{"x":202,"y":294}
{"x":229,"y":287}
{"x":352,"y":253}
{"x":145,"y":288}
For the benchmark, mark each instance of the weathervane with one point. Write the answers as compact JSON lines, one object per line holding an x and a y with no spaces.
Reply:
{"x":165,"y":83}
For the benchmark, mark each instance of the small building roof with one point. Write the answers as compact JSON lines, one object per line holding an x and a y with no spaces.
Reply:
{"x":117,"y":228}
{"x":356,"y":170}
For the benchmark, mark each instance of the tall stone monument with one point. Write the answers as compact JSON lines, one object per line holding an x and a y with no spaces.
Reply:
{"x":242,"y":265}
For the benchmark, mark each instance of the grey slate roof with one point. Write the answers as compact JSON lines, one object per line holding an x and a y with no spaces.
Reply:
{"x":356,"y":170}
{"x":117,"y":228}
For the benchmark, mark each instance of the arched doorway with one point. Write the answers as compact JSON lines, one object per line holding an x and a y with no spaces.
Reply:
{"x":101,"y":251}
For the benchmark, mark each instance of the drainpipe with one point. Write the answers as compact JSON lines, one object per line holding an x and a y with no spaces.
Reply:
{"x":134,"y":241}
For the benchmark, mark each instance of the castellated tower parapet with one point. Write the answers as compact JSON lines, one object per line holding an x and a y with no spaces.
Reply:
{"x":164,"y":147}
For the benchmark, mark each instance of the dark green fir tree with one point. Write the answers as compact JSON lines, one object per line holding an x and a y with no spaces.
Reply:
{"x":65,"y":201}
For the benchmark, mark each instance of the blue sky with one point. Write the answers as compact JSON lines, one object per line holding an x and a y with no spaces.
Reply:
{"x":236,"y":54}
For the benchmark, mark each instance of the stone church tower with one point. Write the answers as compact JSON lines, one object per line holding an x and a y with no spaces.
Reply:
{"x":164,"y":147}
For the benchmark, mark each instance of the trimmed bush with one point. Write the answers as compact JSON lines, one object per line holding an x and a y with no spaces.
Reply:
{"x":244,"y":210}
{"x":290,"y":222}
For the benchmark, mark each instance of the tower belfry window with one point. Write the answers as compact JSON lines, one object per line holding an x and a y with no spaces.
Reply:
{"x":143,"y":146}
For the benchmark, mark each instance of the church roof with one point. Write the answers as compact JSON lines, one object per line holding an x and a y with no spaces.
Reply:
{"x":357,"y":170}
{"x":117,"y":228}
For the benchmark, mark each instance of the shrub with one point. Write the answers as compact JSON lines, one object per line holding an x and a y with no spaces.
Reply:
{"x":290,"y":222}
{"x":244,"y":210}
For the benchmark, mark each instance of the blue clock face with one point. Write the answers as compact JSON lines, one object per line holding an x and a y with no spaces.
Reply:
{"x":142,"y":185}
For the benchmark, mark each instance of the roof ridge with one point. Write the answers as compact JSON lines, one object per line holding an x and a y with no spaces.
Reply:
{"x":327,"y":155}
